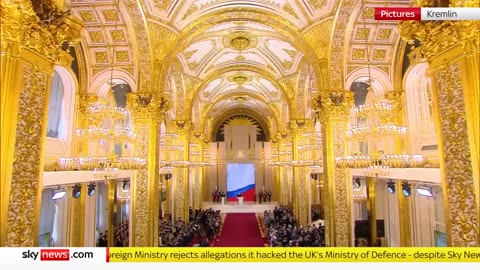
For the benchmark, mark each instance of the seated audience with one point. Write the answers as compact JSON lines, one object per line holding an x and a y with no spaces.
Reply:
{"x":203,"y":227}
{"x":283,"y":231}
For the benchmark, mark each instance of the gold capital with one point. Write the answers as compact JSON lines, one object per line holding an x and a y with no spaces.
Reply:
{"x":333,"y":104}
{"x":40,"y":26}
{"x":436,"y":37}
{"x":148,"y":105}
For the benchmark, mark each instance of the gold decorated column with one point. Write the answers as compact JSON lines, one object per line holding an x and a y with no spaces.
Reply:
{"x":284,"y":190}
{"x":198,"y":139}
{"x":372,"y":210}
{"x":334,"y":107}
{"x":181,"y":175}
{"x":29,"y":48}
{"x":404,"y":214}
{"x":452,"y":49}
{"x":148,"y":109}
{"x":301,"y":196}
{"x":77,"y":217}
{"x":404,"y":217}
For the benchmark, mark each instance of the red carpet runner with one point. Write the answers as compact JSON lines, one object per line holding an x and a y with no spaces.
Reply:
{"x":240,"y":230}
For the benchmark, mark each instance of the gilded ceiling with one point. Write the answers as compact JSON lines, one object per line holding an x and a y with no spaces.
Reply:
{"x":213,"y":56}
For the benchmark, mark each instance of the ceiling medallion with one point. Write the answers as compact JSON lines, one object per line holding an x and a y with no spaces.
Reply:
{"x":240,"y":99}
{"x":239,"y":79}
{"x":240,"y":40}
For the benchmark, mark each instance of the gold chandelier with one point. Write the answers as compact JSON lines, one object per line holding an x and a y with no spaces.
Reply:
{"x":374,"y":123}
{"x":105,"y":128}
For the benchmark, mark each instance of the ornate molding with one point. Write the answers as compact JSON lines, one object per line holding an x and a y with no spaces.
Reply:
{"x":84,"y":102}
{"x":337,"y":46}
{"x":148,"y":105}
{"x":182,"y":126}
{"x":439,"y":36}
{"x":333,"y":104}
{"x":459,"y":183}
{"x":23,"y":212}
{"x":397,"y":100}
{"x":39,"y":26}
{"x":144,"y":52}
{"x":141,"y":207}
{"x":298,"y":125}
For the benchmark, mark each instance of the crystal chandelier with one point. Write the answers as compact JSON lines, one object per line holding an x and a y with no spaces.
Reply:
{"x":105,"y":128}
{"x":374,"y":125}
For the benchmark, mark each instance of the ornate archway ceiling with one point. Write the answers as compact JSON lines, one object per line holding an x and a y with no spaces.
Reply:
{"x":240,"y":83}
{"x":240,"y":43}
{"x":103,"y":27}
{"x":382,"y":39}
{"x":239,"y":101}
{"x":179,"y":14}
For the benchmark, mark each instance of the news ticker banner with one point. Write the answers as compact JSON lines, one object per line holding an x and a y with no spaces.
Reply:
{"x":426,"y":14}
{"x":97,"y":256}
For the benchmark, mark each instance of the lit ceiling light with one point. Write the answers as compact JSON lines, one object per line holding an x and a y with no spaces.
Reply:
{"x":391,"y":187}
{"x":91,"y":189}
{"x":425,"y":191}
{"x":406,"y":189}
{"x":58,"y":194}
{"x":77,"y":190}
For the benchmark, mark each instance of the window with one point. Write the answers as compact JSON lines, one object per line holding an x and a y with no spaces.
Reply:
{"x":55,"y":106}
{"x":418,"y":89}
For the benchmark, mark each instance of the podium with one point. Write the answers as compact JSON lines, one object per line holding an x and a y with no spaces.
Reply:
{"x":240,"y":200}
{"x":223,"y":200}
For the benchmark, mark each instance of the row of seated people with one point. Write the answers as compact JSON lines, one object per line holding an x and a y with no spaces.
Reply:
{"x":283,"y":231}
{"x":206,"y":222}
{"x":120,"y":234}
{"x":179,"y":234}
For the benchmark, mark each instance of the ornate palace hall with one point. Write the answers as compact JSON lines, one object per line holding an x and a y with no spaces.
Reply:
{"x":149,"y":123}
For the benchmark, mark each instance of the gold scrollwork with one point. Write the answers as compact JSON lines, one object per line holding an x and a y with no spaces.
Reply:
{"x":148,"y":105}
{"x":39,"y":26}
{"x":459,"y":182}
{"x":436,"y":37}
{"x":23,"y":212}
{"x":333,"y":104}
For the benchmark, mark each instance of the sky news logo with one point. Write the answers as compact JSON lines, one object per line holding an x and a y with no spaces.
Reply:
{"x":61,"y":254}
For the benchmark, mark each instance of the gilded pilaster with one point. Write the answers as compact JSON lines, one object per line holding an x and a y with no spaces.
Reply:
{"x":29,"y":48}
{"x":404,"y":217}
{"x":198,"y":171}
{"x":301,"y":202}
{"x":283,"y":173}
{"x":22,"y":176}
{"x":372,"y":210}
{"x":452,"y":49}
{"x":147,"y":111}
{"x":77,"y":216}
{"x":181,"y":173}
{"x":334,"y":107}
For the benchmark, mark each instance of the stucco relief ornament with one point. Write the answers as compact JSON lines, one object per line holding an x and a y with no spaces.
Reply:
{"x":39,"y":26}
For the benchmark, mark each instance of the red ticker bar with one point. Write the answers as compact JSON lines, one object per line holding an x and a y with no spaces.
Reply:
{"x":398,"y":13}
